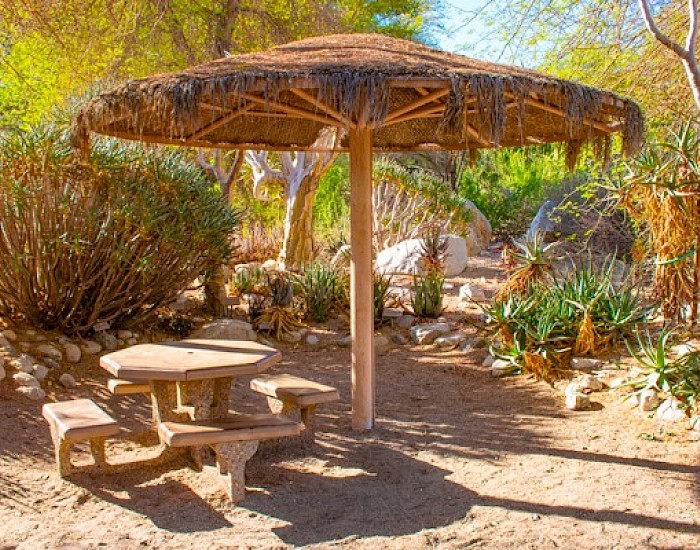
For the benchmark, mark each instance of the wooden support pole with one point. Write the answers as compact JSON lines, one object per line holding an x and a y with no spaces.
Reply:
{"x":361,"y":299}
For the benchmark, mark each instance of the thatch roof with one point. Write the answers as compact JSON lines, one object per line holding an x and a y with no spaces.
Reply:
{"x":415,"y":97}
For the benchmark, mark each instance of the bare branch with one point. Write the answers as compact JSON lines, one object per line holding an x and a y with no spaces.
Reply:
{"x":658,"y":35}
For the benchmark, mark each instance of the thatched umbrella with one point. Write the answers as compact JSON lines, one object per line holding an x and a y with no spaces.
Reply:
{"x":386,"y":94}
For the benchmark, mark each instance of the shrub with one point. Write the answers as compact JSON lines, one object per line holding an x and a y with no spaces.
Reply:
{"x":108,"y":238}
{"x":542,"y":326}
{"x":427,"y":294}
{"x":678,"y":377}
{"x":318,"y":290}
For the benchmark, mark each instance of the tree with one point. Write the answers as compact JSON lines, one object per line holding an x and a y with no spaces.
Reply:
{"x":299,"y":174}
{"x":604,"y":43}
{"x":52,"y":49}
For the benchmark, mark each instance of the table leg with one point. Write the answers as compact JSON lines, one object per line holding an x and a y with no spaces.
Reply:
{"x":164,"y":400}
{"x":220,"y":403}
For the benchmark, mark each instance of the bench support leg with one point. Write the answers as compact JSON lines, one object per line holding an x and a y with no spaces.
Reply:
{"x":305,"y":415}
{"x":97,"y":448}
{"x":231,"y":459}
{"x":62,"y":452}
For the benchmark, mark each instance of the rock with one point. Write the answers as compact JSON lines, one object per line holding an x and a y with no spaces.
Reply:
{"x":63,"y":340}
{"x":488,"y":360}
{"x":24,"y":363}
{"x":392,"y":313}
{"x":381,"y":344}
{"x":572,"y":387}
{"x":682,"y":350}
{"x":406,"y":257}
{"x":648,"y":399}
{"x":694,"y":422}
{"x":399,"y":339}
{"x":450,"y":341}
{"x":542,"y":223}
{"x":40,"y":371}
{"x":227,"y":329}
{"x":405,"y":321}
{"x":469,"y":293}
{"x":266,"y":342}
{"x":399,"y":294}
{"x":671,"y":410}
{"x":342,"y":257}
{"x":50,"y":363}
{"x":426,"y":334}
{"x":346,"y":341}
{"x":101,"y":326}
{"x":589,"y":383}
{"x":270,"y":265}
{"x":617,"y":382}
{"x":467,"y":346}
{"x":35,"y":393}
{"x":577,"y":401}
{"x":124,"y":334}
{"x":73,"y":353}
{"x":48,"y":350}
{"x":501,"y":368}
{"x":479,"y":235}
{"x":67,"y":380}
{"x":25,"y":347}
{"x":91,"y":347}
{"x":291,"y":337}
{"x":2,"y":373}
{"x":107,"y":341}
{"x":9,"y":334}
{"x":132,"y":341}
{"x":586,"y":363}
{"x":24,"y":379}
{"x":312,"y":339}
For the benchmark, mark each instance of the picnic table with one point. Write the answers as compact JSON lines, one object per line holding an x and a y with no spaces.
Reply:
{"x":190,"y":377}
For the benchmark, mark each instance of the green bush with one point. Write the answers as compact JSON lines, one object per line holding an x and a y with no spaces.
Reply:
{"x":582,"y":313}
{"x":318,"y":288}
{"x":107,"y":238}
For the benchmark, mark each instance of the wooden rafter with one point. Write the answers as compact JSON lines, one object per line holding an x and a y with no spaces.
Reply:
{"x":232,"y":115}
{"x":424,"y":100}
{"x":303,"y":94}
{"x":300,"y":113}
{"x":473,"y":132}
{"x":538,"y":103}
{"x":431,"y":111}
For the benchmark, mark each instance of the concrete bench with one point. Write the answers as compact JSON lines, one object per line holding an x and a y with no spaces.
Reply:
{"x":117,"y":386}
{"x":78,"y":420}
{"x":296,"y":398}
{"x":234,"y":440}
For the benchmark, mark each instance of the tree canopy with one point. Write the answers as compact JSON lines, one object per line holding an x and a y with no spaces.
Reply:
{"x":51,"y":49}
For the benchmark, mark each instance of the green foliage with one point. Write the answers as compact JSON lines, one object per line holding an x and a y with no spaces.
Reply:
{"x":332,"y":204}
{"x":317,"y":285}
{"x":508,"y":186}
{"x":427,"y":294}
{"x":42,"y":63}
{"x":248,"y":280}
{"x":678,"y":377}
{"x":381,"y":284}
{"x":108,"y":238}
{"x":581,"y":311}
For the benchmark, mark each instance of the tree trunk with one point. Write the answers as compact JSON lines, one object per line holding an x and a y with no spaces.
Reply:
{"x":297,"y":248}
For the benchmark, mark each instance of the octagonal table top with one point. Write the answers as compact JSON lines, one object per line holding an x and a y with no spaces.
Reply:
{"x":190,"y":360}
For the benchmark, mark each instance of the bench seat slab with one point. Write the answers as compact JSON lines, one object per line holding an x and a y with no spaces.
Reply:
{"x":300,"y":391}
{"x":79,"y":419}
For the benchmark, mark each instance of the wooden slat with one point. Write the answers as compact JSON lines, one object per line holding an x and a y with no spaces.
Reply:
{"x":431,"y":111}
{"x":320,"y":105}
{"x":219,"y":123}
{"x":300,"y":113}
{"x":437,"y":94}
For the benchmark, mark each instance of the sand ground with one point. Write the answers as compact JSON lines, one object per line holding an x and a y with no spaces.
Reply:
{"x":458,"y":460}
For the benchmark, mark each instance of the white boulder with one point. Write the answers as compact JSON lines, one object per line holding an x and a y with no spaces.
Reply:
{"x":406,"y":257}
{"x":426,"y":334}
{"x":226,"y":329}
{"x":501,"y":368}
{"x":40,"y":371}
{"x":450,"y":341}
{"x":24,"y":363}
{"x":469,"y":293}
{"x":24,"y":379}
{"x":479,"y":235}
{"x":577,"y":401}
{"x":671,"y":410}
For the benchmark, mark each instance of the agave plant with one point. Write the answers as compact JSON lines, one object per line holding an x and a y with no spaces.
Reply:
{"x":427,"y":295}
{"x":318,"y":289}
{"x":382,"y":282}
{"x":535,"y":260}
{"x":433,"y":250}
